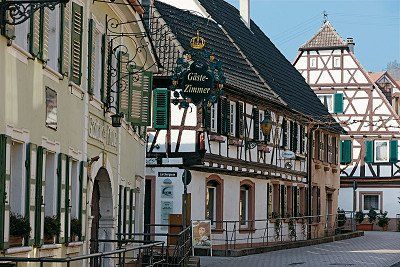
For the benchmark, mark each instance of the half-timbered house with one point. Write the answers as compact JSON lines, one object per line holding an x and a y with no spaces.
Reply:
{"x":365,"y":104}
{"x":238,"y":174}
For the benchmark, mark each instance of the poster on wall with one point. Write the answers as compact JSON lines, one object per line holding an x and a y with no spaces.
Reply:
{"x":51,"y":108}
{"x":201,"y":234}
{"x":167,"y":191}
{"x":166,"y":210}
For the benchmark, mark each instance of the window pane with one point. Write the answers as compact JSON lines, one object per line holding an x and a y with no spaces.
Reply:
{"x":371,"y":201}
{"x":54,"y":38}
{"x":210,"y":202}
{"x":381,"y":151}
{"x":243,"y":206}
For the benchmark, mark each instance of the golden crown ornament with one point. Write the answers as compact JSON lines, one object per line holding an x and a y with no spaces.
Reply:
{"x":197,"y":42}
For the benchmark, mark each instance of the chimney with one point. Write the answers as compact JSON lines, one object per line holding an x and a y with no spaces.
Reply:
{"x":245,"y":12}
{"x":351,"y":44}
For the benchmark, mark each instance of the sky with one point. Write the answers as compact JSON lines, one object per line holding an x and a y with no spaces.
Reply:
{"x":374,"y":25}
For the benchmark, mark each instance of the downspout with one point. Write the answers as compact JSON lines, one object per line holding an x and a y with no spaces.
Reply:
{"x":312,"y":129}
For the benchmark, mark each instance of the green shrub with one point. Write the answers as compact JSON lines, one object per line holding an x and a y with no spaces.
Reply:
{"x":383,"y":220}
{"x":372,"y":214}
{"x":359,"y":217}
{"x":76,"y":227}
{"x":52,"y":226}
{"x":341,"y":218}
{"x":19,"y":226}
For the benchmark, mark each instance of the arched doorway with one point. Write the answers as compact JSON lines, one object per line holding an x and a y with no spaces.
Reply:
{"x":102,"y":211}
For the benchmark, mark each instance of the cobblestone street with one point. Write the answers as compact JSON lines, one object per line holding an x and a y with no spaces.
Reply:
{"x":373,"y":249}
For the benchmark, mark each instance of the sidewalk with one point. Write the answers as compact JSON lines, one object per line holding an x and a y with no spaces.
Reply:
{"x":374,"y":249}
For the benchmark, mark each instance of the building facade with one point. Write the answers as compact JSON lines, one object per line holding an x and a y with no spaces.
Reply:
{"x":238,"y":173}
{"x":366,"y":105}
{"x":61,"y":158}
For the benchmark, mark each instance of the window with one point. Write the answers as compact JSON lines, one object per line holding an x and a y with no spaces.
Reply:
{"x":211,"y":203}
{"x":345,"y":152}
{"x":313,"y":62}
{"x":371,"y":202}
{"x":214,"y":201}
{"x":232,"y":119}
{"x":336,"y":62}
{"x":381,"y":151}
{"x":284,"y":133}
{"x":260,"y":119}
{"x":51,"y":108}
{"x":283,"y":202}
{"x":327,"y":101}
{"x":214,"y":109}
{"x":51,"y":187}
{"x":75,"y":192}
{"x":244,"y":205}
{"x":17,"y":186}
{"x":21,"y":35}
{"x":54,"y":38}
{"x":97,"y":58}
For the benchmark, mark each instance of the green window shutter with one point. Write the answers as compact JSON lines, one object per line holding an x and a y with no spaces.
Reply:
{"x":123,"y":84}
{"x":120,"y":204}
{"x":4,"y":178}
{"x":91,"y":56}
{"x":105,"y":74}
{"x":67,"y":214}
{"x":338,"y":103}
{"x":227,"y":116}
{"x":35,"y":33}
{"x":39,"y":188}
{"x":297,"y":201}
{"x":393,"y":150}
{"x":131,"y":210}
{"x":44,"y":34}
{"x":240,"y":119}
{"x":219,"y":116}
{"x":81,"y":201}
{"x":256,"y":124}
{"x":161,"y":108}
{"x":30,"y":204}
{"x":207,"y":117}
{"x":125,"y":226}
{"x":267,"y":113}
{"x":76,"y":43}
{"x":284,"y":133}
{"x":369,"y":151}
{"x":65,"y":35}
{"x":147,"y":87}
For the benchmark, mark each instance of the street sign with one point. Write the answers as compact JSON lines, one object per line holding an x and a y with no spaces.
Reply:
{"x":288,"y":154}
{"x":186,"y":177}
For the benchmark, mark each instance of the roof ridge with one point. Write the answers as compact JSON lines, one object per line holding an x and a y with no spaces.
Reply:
{"x":327,"y":36}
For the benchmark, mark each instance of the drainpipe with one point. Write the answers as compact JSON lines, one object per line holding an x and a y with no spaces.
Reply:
{"x":309,"y":175}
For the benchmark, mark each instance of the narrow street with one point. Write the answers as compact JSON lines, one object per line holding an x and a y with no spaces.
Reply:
{"x":373,"y":249}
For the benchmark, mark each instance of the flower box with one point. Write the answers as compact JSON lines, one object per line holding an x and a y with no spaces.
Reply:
{"x":365,"y":227}
{"x":217,"y":138}
{"x":15,"y":241}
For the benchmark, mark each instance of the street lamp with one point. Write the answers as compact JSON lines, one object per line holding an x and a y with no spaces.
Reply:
{"x":266,"y":127}
{"x":116,"y":119}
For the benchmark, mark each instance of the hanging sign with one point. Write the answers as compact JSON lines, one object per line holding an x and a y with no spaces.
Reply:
{"x":197,"y":82}
{"x":198,"y":77}
{"x":288,"y":154}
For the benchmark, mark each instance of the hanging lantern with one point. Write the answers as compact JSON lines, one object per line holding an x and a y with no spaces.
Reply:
{"x":266,"y":125}
{"x":116,"y":119}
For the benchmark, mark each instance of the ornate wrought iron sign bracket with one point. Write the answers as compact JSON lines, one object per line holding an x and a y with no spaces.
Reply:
{"x":16,"y":12}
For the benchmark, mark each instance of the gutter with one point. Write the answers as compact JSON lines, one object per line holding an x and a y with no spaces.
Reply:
{"x":312,"y":129}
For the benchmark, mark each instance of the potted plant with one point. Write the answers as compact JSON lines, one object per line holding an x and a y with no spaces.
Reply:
{"x":52,"y":228}
{"x":383,"y":221}
{"x":76,"y":229}
{"x":341,"y":220}
{"x":20,"y":228}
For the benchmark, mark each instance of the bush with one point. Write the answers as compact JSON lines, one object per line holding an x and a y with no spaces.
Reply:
{"x":383,"y":220}
{"x":52,"y":226}
{"x":372,"y":215}
{"x":19,"y":226}
{"x":359,"y":217}
{"x":341,"y":218}
{"x":76,"y":227}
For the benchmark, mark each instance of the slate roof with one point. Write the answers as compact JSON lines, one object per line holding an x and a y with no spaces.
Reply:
{"x":238,"y":72}
{"x":272,"y":65}
{"x":280,"y":75}
{"x":326,"y":37}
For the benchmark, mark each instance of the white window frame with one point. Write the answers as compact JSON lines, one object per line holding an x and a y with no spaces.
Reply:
{"x":21,"y":186}
{"x":372,"y":194}
{"x":313,"y":60}
{"x":75,"y":189}
{"x":98,"y":30}
{"x":336,"y":59}
{"x":52,"y":202}
{"x":375,"y":150}
{"x":232,"y":121}
{"x":323,"y":97}
{"x":54,"y":41}
{"x":246,"y":206}
{"x":213,"y":117}
{"x":214,"y":215}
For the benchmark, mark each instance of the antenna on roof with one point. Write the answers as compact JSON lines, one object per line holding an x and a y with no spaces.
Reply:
{"x":325,"y":16}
